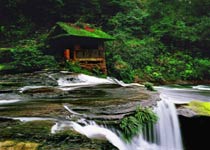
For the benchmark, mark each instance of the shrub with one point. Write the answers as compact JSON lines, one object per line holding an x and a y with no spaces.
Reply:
{"x":149,"y":86}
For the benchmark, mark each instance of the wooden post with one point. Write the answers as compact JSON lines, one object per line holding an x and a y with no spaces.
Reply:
{"x":74,"y":55}
{"x":76,"y":48}
{"x":67,"y":54}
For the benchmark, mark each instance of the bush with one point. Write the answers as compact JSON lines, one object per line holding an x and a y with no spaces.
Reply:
{"x":149,"y":86}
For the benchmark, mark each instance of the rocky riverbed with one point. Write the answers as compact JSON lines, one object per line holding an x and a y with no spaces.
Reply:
{"x":31,"y":103}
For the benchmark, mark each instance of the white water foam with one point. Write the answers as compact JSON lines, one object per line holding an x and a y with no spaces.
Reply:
{"x":9,"y":98}
{"x":28,"y":119}
{"x":25,"y":88}
{"x":82,"y":80}
{"x":202,"y":87}
{"x":71,"y":111}
{"x":9,"y":101}
{"x":94,"y":131}
{"x":121,"y":83}
{"x":75,"y":81}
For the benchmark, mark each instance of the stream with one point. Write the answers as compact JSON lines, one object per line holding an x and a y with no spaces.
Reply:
{"x":64,"y":97}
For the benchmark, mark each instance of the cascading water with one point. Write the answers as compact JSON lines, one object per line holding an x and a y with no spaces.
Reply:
{"x":165,"y":135}
{"x":167,"y":128}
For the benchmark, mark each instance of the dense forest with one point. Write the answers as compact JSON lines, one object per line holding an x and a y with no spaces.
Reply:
{"x":155,"y":40}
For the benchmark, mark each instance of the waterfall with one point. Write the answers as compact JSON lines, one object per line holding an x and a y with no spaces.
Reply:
{"x":168,"y":135}
{"x":165,"y":135}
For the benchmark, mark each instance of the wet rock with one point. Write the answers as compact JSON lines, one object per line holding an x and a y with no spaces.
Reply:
{"x":97,"y":103}
{"x":194,"y":108}
{"x":27,"y":79}
{"x":34,"y":109}
{"x":38,"y":133}
{"x":194,"y":121}
{"x":41,"y":90}
{"x":186,"y":112}
{"x":114,"y":108}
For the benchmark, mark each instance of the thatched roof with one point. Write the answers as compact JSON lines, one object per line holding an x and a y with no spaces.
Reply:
{"x":63,"y":29}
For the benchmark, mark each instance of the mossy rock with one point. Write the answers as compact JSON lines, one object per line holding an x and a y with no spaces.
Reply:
{"x":202,"y":108}
{"x":10,"y":83}
{"x":18,"y":145}
{"x":34,"y":130}
{"x":39,"y":134}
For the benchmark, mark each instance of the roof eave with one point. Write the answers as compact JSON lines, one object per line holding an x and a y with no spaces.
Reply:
{"x":67,"y":35}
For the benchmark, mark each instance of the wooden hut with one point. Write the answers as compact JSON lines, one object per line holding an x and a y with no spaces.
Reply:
{"x":79,"y":43}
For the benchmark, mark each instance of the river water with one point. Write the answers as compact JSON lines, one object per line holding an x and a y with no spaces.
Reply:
{"x":183,"y":94}
{"x":84,"y":91}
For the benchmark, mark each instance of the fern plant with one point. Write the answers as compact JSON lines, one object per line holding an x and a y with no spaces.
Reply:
{"x":133,"y":125}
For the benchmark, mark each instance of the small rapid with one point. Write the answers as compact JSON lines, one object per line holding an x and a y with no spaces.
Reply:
{"x":77,"y":80}
{"x":82,"y":80}
{"x":202,"y":87}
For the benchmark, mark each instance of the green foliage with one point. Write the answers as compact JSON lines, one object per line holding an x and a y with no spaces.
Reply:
{"x":156,"y":40}
{"x":133,"y":125}
{"x":202,"y":68}
{"x":30,"y":60}
{"x":75,"y":67}
{"x":120,"y":69}
{"x":97,"y":72}
{"x":149,"y":86}
{"x":5,"y":55}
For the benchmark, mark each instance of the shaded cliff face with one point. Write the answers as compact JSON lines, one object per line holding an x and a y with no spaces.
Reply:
{"x":195,"y":122}
{"x":195,"y":132}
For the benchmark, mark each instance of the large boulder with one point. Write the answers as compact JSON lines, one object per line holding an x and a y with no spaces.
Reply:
{"x":194,"y":120}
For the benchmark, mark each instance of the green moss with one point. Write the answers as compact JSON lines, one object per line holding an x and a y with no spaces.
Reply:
{"x":6,"y":67}
{"x":10,"y":83}
{"x":74,"y":31}
{"x":2,"y":67}
{"x":18,"y":145}
{"x":34,"y":130}
{"x":202,"y":108}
